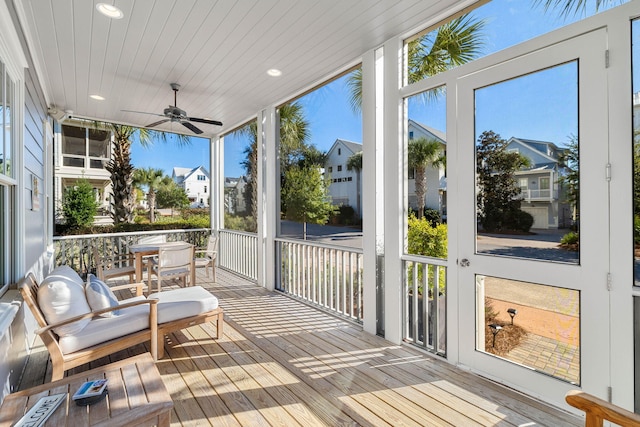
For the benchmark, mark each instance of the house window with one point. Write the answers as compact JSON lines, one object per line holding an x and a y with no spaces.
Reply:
{"x":339,"y":168}
{"x":205,"y":188}
{"x":9,"y":120}
{"x":330,"y":169}
{"x":544,"y":183}
{"x":85,"y":148}
{"x":339,"y":152}
{"x":523,"y":183}
{"x":201,"y":178}
{"x":410,"y":134}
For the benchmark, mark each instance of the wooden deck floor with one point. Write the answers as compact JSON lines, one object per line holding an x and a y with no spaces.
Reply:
{"x":283,"y":363}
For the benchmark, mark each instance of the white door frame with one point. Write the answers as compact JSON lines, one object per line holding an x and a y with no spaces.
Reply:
{"x":588,"y":50}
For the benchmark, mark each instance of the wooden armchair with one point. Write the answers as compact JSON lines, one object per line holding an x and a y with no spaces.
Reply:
{"x":91,"y":335}
{"x":108,"y":267}
{"x":172,"y":262}
{"x":208,"y":256}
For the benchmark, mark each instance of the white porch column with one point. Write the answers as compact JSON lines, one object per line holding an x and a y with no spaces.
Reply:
{"x":216,"y":195}
{"x":268,"y":196}
{"x":394,"y":217}
{"x":372,"y":188}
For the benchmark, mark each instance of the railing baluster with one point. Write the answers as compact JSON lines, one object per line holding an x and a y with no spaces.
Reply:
{"x":429,"y":315}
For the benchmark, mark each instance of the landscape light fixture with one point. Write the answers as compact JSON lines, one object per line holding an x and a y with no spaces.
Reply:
{"x":495,"y":328}
{"x":512,"y":312}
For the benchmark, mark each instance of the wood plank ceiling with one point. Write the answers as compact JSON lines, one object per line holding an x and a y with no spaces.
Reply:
{"x":219,"y":51}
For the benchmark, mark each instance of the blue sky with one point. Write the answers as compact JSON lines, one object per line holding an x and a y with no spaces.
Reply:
{"x":330,"y":116}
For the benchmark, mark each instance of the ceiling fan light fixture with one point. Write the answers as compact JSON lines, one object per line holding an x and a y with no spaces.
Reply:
{"x":109,"y":10}
{"x":274,"y":72}
{"x":97,"y":97}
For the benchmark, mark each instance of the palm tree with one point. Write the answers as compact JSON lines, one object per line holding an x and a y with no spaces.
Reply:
{"x":423,"y":153}
{"x":152,"y":179}
{"x":294,"y":132}
{"x":121,"y":169}
{"x":453,"y":44}
{"x":354,"y":162}
{"x":574,"y":7}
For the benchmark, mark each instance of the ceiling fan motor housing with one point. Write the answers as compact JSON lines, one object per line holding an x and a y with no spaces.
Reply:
{"x":175,"y":113}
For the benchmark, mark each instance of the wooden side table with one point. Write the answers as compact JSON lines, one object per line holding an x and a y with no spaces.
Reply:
{"x":136,"y":396}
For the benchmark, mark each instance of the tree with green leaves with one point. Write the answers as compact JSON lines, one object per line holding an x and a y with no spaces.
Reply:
{"x":294,"y":133}
{"x":354,"y":162}
{"x":79,"y":205}
{"x":121,"y":169}
{"x":452,"y":44}
{"x":306,"y":195}
{"x":569,"y":161}
{"x":498,"y":198}
{"x":573,"y":7}
{"x":423,"y":153}
{"x":170,"y":195}
{"x":151,"y":179}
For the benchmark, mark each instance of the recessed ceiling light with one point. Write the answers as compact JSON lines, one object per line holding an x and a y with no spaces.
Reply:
{"x":97,"y":97}
{"x":274,"y":72}
{"x":109,"y":10}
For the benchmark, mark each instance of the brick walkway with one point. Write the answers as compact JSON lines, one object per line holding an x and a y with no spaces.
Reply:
{"x":549,"y":356}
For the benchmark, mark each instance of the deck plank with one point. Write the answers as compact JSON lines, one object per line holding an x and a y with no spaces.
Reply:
{"x":282,"y":362}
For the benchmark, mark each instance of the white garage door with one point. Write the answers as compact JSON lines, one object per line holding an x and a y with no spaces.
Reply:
{"x":540,"y":217}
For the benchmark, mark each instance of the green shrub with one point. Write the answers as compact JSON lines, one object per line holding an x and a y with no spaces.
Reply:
{"x":240,"y":223}
{"x":520,"y":220}
{"x":571,"y":238}
{"x":79,"y":205}
{"x":425,"y":239}
{"x":636,"y":229}
{"x":431,"y":215}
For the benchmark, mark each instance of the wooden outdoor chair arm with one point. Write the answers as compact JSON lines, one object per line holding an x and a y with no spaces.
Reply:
{"x":153,"y":304}
{"x":598,"y":410}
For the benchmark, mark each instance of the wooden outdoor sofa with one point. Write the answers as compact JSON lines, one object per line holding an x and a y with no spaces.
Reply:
{"x":76,"y":332}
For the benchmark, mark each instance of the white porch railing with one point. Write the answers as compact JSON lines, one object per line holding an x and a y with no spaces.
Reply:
{"x":547,"y":194}
{"x":327,"y":276}
{"x":238,"y":252}
{"x":75,"y":252}
{"x":424,"y":279}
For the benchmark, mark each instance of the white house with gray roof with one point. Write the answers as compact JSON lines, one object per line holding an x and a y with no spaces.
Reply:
{"x":543,"y":196}
{"x":196,"y":183}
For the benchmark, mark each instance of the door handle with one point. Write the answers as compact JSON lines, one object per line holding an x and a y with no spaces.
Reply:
{"x":464,"y":262}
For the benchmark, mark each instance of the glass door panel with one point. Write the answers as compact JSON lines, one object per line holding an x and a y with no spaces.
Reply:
{"x":531,"y":248}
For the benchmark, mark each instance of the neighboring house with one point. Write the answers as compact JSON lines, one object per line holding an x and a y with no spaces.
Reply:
{"x":344,"y":183}
{"x":436,"y":196}
{"x":543,"y":197}
{"x":82,"y":152}
{"x":234,"y":197}
{"x":196,"y":183}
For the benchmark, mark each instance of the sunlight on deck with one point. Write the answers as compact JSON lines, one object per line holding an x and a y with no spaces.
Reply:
{"x":282,"y":362}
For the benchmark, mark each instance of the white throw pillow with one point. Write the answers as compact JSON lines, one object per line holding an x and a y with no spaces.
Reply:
{"x":60,"y":297}
{"x":100,"y":296}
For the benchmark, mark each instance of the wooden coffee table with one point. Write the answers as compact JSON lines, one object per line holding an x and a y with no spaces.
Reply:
{"x":136,"y":396}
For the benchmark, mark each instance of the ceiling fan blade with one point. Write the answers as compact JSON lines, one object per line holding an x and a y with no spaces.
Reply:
{"x":142,"y":112}
{"x":156,"y":123}
{"x":207,"y":121}
{"x":191,"y":127}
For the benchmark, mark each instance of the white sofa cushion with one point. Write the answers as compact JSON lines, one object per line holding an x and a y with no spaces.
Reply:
{"x":60,"y":297}
{"x":102,"y":329}
{"x":100,"y":296}
{"x":184,"y":302}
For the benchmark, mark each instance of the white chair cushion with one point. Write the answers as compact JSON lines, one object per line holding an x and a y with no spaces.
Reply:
{"x":60,"y":297}
{"x":100,"y":296}
{"x":184,"y":302}
{"x":102,"y":329}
